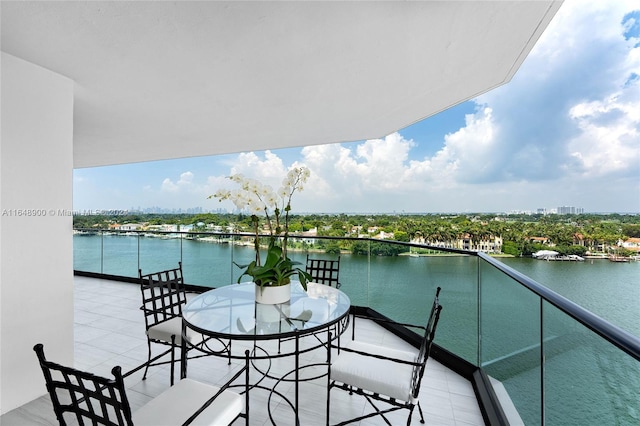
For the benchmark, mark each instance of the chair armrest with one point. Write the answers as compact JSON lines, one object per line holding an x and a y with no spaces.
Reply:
{"x":388,"y":321}
{"x":380,"y":320}
{"x":156,"y":311}
{"x":374,"y":351}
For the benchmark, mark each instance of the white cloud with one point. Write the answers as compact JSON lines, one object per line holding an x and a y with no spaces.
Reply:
{"x":184,"y":183}
{"x":169,"y":186}
{"x":609,"y":142}
{"x":469,"y":154}
{"x":186,"y":178}
{"x":270,"y":169}
{"x":571,"y":110}
{"x":373,"y":167}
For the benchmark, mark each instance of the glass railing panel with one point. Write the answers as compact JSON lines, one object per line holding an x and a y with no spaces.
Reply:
{"x":87,"y":251}
{"x":458,"y":327}
{"x":159,"y":252}
{"x":510,"y":350}
{"x":243,"y":253}
{"x":355,"y":274}
{"x":120,"y":254}
{"x":587,"y":380}
{"x":354,"y":267}
{"x":206,"y":259}
{"x":396,"y":288}
{"x":402,"y":287}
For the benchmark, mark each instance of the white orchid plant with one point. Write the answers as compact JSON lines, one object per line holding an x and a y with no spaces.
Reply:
{"x":260,"y":199}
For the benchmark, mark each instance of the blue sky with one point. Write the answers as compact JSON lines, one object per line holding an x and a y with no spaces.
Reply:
{"x":564,"y":132}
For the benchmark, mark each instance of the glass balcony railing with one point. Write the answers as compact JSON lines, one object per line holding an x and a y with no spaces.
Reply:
{"x":548,"y":360}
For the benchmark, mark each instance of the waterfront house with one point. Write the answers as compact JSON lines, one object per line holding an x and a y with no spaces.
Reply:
{"x":372,"y":229}
{"x":489,"y":244}
{"x":383,"y":236}
{"x":356,"y":229}
{"x":541,"y":240}
{"x":578,"y":240}
{"x":631,"y":244}
{"x":87,"y":84}
{"x":163,"y":228}
{"x":214,"y":228}
{"x":309,"y":236}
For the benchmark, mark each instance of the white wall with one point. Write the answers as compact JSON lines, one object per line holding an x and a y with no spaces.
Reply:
{"x":36,"y":253}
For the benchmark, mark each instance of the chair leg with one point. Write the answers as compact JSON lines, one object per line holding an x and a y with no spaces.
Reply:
{"x":144,"y":376}
{"x":183,"y":360}
{"x":328,"y":376}
{"x":411,"y":414}
{"x":173,"y":356}
{"x":246,"y":382}
{"x":328,"y":402}
{"x":420,"y":411}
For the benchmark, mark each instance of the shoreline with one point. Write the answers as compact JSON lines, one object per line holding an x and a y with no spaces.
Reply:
{"x":241,"y":243}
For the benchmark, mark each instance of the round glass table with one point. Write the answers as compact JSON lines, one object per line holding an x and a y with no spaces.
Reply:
{"x":230,"y":313}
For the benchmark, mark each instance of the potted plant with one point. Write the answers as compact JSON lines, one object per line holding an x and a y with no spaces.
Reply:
{"x":274,"y":275}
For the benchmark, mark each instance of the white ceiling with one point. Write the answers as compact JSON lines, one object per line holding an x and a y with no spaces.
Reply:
{"x":157,"y":80}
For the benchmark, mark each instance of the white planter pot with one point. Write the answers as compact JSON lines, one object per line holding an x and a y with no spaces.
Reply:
{"x":273,"y":295}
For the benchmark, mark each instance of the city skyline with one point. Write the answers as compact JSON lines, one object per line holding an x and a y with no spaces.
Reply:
{"x":564,"y":132}
{"x":560,"y":210}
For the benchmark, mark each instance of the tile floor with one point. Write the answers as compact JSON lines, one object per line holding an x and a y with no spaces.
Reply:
{"x":109,"y":330}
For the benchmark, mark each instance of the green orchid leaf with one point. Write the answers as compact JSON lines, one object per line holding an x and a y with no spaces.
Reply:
{"x":277,"y":270}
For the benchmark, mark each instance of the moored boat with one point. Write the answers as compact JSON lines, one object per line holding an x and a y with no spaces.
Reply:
{"x":615,"y":258}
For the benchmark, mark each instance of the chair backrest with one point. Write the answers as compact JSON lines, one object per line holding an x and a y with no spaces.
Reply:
{"x":324,"y":271}
{"x":425,"y":345}
{"x":163,"y":295}
{"x":88,"y":398}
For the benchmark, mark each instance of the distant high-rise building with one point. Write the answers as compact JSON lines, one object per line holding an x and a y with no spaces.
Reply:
{"x":570,"y":210}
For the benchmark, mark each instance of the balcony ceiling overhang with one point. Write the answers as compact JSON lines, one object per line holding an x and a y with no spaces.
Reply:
{"x":158,"y":80}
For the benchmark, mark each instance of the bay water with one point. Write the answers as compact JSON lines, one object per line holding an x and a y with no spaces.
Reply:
{"x":611,"y":290}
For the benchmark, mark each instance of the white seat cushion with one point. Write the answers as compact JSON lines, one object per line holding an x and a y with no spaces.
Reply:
{"x":164,"y":330}
{"x":175,"y":405}
{"x":385,"y":377}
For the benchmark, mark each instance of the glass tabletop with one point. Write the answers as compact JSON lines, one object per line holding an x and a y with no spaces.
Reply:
{"x":232,"y":312}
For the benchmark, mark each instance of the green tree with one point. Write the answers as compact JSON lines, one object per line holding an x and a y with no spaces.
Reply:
{"x":401,"y":236}
{"x":332,"y":247}
{"x":360,"y":247}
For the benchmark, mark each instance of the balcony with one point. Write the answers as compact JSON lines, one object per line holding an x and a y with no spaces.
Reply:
{"x":508,"y":349}
{"x":109,"y":330}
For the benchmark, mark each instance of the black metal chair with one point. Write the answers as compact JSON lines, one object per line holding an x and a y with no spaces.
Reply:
{"x":163,"y":296}
{"x":383,"y":374}
{"x":324,"y":271}
{"x":83,"y":398}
